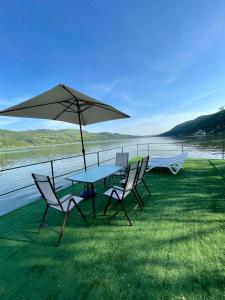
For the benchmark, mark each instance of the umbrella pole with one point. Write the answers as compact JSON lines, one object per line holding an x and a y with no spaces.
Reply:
{"x":82,"y":145}
{"x":81,"y":133}
{"x":81,"y":136}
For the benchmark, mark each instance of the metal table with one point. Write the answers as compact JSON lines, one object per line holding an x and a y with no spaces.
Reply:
{"x":91,"y":176}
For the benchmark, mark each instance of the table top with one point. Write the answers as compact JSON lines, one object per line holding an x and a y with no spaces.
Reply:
{"x":95,"y":174}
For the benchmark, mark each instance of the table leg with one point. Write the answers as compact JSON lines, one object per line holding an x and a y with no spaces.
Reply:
{"x":73,"y":187}
{"x":93,"y":200}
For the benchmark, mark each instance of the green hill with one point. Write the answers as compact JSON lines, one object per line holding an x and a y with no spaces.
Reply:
{"x":10,"y":138}
{"x":208,"y":124}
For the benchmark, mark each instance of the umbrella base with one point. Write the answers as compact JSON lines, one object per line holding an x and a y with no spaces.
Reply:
{"x":88,"y":193}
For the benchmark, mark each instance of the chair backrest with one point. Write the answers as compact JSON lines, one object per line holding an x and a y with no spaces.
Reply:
{"x":131,"y":177}
{"x":122,"y":159}
{"x":144,"y":165}
{"x":46,"y":190}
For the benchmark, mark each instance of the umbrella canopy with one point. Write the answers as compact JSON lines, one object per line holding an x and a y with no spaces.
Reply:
{"x":63,"y":103}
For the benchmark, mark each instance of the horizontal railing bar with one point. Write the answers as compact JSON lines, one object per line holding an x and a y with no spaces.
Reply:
{"x":16,"y":190}
{"x":26,"y":186}
{"x":24,"y":166}
{"x":106,"y":160}
{"x":56,"y":159}
{"x":38,"y":163}
{"x":104,"y":150}
{"x":58,"y":176}
{"x":77,"y":170}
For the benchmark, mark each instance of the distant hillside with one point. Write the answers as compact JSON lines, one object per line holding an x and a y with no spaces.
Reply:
{"x":209,"y":124}
{"x":10,"y":138}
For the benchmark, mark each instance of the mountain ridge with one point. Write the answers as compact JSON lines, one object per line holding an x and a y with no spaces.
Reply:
{"x":202,"y":125}
{"x":10,"y":138}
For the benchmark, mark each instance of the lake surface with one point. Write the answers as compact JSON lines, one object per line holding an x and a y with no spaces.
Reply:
{"x":18,"y":178}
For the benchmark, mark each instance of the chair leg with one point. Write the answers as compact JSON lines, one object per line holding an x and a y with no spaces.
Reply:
{"x":141,"y":197}
{"x":107,"y":205}
{"x":146,"y":187}
{"x":43,"y":218}
{"x":139,"y":201}
{"x":80,"y":211}
{"x":125,"y":213}
{"x":62,"y":228}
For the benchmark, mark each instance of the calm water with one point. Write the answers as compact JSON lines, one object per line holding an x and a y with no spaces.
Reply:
{"x":18,"y":178}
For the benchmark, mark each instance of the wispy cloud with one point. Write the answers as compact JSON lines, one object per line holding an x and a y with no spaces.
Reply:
{"x":5,"y":121}
{"x":6,"y":102}
{"x":190,"y":49}
{"x":156,"y":124}
{"x":103,"y":89}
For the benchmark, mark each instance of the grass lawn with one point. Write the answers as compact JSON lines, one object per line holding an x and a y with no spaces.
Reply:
{"x":174,"y":250}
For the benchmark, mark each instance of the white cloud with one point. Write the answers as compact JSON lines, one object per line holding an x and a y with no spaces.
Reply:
{"x":4,"y":103}
{"x":4,"y":121}
{"x":191,"y":48}
{"x":156,"y":124}
{"x":100,"y":90}
{"x":7,"y":102}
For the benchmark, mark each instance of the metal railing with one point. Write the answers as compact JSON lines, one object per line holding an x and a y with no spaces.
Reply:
{"x":52,"y":162}
{"x":137,"y":149}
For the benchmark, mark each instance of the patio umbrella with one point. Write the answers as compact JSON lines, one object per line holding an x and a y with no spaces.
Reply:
{"x":63,"y":103}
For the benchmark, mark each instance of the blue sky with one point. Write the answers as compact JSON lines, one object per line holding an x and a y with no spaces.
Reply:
{"x":161,"y":62}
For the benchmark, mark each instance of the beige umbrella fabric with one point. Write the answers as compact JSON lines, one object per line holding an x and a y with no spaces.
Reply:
{"x":63,"y":103}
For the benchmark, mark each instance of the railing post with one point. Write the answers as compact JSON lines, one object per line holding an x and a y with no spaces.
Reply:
{"x":2,"y":162}
{"x":137,"y":149}
{"x":223,"y":150}
{"x":148,"y":149}
{"x":98,"y":158}
{"x":182,"y":147}
{"x":122,"y":149}
{"x":53,"y":177}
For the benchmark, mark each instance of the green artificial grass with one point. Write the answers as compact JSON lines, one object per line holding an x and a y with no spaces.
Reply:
{"x":174,"y":250}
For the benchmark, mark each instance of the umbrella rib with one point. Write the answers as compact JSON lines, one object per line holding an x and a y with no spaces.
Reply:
{"x":82,"y":103}
{"x":71,"y":109}
{"x":108,"y":107}
{"x":77,"y":103}
{"x":32,"y":106}
{"x":82,"y":118}
{"x":62,"y":111}
{"x":104,"y":106}
{"x":86,"y":108}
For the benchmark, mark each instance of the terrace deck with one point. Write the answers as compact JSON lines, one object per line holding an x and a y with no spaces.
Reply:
{"x":174,"y":250}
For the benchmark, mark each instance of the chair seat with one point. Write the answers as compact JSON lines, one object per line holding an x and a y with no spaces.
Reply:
{"x":119,"y":191}
{"x":65,"y":201}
